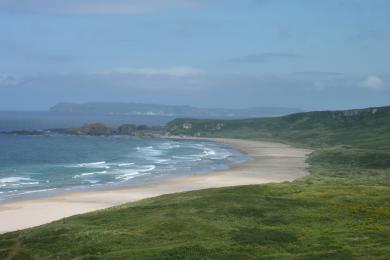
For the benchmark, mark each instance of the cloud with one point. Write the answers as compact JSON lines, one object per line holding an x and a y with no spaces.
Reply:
{"x":91,"y":7}
{"x":372,"y":35}
{"x":373,"y":82}
{"x":344,"y":81}
{"x":61,"y":57}
{"x":194,"y":79}
{"x":319,"y":73}
{"x":178,"y":72}
{"x":10,"y":80}
{"x":264,"y":57}
{"x":121,"y":78}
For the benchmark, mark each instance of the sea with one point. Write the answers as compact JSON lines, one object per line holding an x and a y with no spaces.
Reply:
{"x":40,"y":166}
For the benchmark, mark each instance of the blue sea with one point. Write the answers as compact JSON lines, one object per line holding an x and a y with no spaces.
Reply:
{"x":16,"y":120}
{"x":34,"y":166}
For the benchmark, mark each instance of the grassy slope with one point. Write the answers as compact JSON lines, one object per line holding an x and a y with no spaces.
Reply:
{"x":366,"y":128}
{"x":341,"y":211}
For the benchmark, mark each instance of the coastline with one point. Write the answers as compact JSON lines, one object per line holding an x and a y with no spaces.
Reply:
{"x":273,"y":162}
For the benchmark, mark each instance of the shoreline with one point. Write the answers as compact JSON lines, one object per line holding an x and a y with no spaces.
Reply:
{"x":58,"y":191}
{"x":273,"y":162}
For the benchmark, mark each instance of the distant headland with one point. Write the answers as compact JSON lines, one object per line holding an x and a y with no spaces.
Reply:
{"x":140,"y":109}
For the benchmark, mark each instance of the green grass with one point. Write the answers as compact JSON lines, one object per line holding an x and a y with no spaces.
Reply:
{"x":340,"y":211}
{"x":365,"y":128}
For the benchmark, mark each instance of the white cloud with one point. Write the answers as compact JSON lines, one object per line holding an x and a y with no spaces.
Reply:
{"x":92,"y":7}
{"x":373,"y":82}
{"x":320,"y":84}
{"x":151,"y":72}
{"x":10,"y":80}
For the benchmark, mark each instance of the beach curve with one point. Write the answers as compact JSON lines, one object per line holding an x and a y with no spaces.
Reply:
{"x":273,"y":162}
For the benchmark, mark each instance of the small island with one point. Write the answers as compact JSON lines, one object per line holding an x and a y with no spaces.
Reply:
{"x":96,"y":129}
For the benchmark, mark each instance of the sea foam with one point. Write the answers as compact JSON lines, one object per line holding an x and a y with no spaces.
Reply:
{"x":14,"y":179}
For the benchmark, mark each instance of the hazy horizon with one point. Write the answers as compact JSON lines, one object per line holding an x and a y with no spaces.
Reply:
{"x":310,"y":55}
{"x":202,"y":107}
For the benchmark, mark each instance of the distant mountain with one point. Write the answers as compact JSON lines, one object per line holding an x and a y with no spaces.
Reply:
{"x":137,"y":109}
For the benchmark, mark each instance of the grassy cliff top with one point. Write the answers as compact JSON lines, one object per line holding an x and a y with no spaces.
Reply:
{"x":362,"y":128}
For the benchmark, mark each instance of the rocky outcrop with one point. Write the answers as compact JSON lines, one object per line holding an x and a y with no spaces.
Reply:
{"x":92,"y":129}
{"x":127,"y":129}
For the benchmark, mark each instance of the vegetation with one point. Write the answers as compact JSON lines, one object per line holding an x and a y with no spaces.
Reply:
{"x":340,"y":211}
{"x":92,"y":129}
{"x":97,"y":129}
{"x":364,"y":128}
{"x":102,"y":129}
{"x":127,"y":129}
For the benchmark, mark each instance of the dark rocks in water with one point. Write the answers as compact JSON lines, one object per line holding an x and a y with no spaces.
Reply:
{"x":91,"y":129}
{"x":142,"y":128}
{"x":25,"y":132}
{"x":127,"y":129}
{"x":97,"y":129}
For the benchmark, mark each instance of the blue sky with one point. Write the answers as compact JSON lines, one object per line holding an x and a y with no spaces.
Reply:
{"x":308,"y":54}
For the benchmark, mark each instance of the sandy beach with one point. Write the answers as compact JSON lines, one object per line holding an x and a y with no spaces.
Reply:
{"x":273,"y":162}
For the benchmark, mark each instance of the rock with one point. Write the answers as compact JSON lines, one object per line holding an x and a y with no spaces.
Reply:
{"x":127,"y":129}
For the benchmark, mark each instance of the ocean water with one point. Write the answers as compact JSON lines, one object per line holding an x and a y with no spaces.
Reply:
{"x":33,"y":166}
{"x":10,"y":121}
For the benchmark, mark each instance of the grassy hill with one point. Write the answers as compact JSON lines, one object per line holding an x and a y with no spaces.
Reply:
{"x":340,"y":211}
{"x":362,"y":128}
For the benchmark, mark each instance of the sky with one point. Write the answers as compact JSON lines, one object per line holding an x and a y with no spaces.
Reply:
{"x":307,"y":54}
